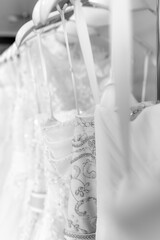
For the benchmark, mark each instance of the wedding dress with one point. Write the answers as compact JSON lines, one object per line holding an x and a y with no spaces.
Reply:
{"x":36,"y":197}
{"x":128,"y":208}
{"x":6,"y":114}
{"x":15,"y":186}
{"x":62,"y":90}
{"x":58,"y":149}
{"x":81,"y":214}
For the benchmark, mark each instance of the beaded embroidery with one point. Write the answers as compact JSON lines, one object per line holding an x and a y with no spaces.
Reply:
{"x":79,"y":236}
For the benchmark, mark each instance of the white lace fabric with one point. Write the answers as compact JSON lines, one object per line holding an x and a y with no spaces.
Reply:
{"x":82,"y":216}
{"x":58,"y":149}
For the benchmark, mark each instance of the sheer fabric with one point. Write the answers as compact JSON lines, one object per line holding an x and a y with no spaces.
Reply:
{"x":58,"y":148}
{"x":141,"y":190}
{"x":14,"y":189}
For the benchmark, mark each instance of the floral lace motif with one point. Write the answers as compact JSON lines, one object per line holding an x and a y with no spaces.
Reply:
{"x":82,"y":199}
{"x":53,"y":220}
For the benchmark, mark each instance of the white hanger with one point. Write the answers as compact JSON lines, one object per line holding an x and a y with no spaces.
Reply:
{"x":23,"y":32}
{"x":71,"y":30}
{"x":46,"y":7}
{"x":36,"y":14}
{"x":28,"y":27}
{"x":95,"y":16}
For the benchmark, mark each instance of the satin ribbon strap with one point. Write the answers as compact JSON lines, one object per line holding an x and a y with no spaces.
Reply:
{"x":85,"y":44}
{"x":145,"y":75}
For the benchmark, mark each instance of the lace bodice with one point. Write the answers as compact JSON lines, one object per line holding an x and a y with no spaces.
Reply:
{"x":82,"y":195}
{"x":58,"y":147}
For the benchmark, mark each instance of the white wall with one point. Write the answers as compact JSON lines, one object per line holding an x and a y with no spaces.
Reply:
{"x":12,"y":7}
